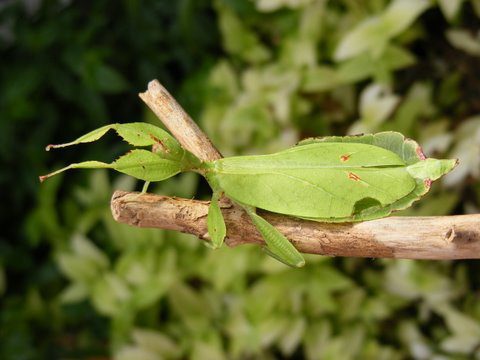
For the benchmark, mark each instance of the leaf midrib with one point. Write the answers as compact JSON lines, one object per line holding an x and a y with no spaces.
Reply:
{"x":262,"y":169}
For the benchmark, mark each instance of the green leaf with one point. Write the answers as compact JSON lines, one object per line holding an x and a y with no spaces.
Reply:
{"x":374,"y":33}
{"x":73,"y":293}
{"x":465,"y":330}
{"x":157,"y":342}
{"x":215,"y":222}
{"x":108,"y":294}
{"x":273,"y":5}
{"x":376,"y":104}
{"x":358,"y":68}
{"x":238,"y":39}
{"x":365,"y":65}
{"x":467,"y":149}
{"x":278,"y":246}
{"x":108,"y":80}
{"x":400,"y":14}
{"x":416,"y":104}
{"x":76,"y":268}
{"x":320,"y":78}
{"x":450,"y":8}
{"x":84,"y":248}
{"x":135,"y":352}
{"x":293,"y":336}
{"x":141,"y":164}
{"x":462,"y":39}
{"x":366,"y":36}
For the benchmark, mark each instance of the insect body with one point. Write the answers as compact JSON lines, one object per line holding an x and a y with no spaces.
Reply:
{"x":332,"y":179}
{"x":313,"y":181}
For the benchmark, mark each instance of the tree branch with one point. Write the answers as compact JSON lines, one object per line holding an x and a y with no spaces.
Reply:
{"x":435,"y":237}
{"x":177,"y":121}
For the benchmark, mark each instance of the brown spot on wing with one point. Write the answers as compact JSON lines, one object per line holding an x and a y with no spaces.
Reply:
{"x":345,"y":157}
{"x":353,"y":176}
{"x":154,"y":138}
{"x":427,"y":183}
{"x":421,"y":155}
{"x":159,"y":145}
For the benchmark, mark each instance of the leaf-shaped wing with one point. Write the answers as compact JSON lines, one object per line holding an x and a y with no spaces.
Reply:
{"x":423,"y":170}
{"x":407,"y":149}
{"x":319,"y":180}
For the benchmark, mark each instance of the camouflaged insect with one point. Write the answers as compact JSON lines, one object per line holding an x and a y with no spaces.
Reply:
{"x":331,"y":179}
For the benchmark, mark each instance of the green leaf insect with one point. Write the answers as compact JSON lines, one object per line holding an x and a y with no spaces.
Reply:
{"x":330,"y":179}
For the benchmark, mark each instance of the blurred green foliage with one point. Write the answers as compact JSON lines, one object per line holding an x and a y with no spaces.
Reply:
{"x":258,"y":75}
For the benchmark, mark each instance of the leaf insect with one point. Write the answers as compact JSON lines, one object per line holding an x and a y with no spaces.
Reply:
{"x":330,"y":179}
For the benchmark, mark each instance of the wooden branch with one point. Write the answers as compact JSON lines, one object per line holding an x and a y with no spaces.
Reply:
{"x":436,"y":237}
{"x":178,"y":122}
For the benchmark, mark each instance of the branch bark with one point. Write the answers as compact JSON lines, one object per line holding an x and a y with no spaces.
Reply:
{"x":435,"y":237}
{"x":178,"y":122}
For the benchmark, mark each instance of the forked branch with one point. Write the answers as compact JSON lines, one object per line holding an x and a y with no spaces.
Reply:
{"x":442,"y":237}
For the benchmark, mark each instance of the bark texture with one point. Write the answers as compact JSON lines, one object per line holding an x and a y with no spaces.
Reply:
{"x":433,"y":237}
